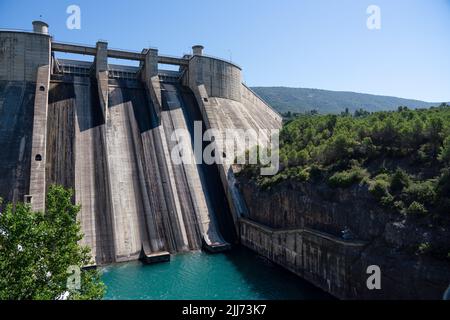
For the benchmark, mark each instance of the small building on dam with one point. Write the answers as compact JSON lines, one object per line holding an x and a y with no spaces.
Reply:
{"x":105,"y":131}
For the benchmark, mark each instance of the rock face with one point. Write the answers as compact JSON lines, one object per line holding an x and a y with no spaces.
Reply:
{"x":299,"y":226}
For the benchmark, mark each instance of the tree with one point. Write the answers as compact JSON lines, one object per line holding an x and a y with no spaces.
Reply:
{"x":37,"y":250}
{"x":400,"y":180}
{"x":361,"y":113}
{"x":435,"y":133}
{"x":345,"y":113}
{"x":444,"y":154}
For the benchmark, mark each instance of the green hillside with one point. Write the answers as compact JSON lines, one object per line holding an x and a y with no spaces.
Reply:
{"x":403,"y":157}
{"x":300,"y":100}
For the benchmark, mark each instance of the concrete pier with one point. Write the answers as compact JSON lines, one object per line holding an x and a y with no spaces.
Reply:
{"x":38,"y":151}
{"x":158,"y":257}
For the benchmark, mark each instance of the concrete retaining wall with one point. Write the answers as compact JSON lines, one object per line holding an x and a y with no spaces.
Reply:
{"x":321,"y":259}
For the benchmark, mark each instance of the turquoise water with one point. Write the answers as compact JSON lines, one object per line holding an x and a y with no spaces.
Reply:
{"x":238,"y":274}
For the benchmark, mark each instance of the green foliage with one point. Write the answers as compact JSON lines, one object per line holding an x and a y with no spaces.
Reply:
{"x":443,"y":193}
{"x":422,"y":191}
{"x":339,"y":148}
{"x":444,"y":154}
{"x":387,"y":201}
{"x":400,"y":180}
{"x":348,"y":177}
{"x":379,"y":187}
{"x":402,"y":155}
{"x":360,"y":113}
{"x":416,"y":208}
{"x":38,"y":248}
{"x":424,"y":248}
{"x":301,"y":100}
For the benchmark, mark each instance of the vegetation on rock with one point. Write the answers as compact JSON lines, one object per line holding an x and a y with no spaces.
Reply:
{"x":403,"y":156}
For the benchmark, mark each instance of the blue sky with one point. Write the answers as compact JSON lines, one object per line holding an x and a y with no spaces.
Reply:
{"x":314,"y":44}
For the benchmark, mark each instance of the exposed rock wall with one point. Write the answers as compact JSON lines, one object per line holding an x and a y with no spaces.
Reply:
{"x":299,"y":226}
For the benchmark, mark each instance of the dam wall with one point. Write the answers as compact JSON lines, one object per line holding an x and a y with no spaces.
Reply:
{"x":77,"y":157}
{"x":21,"y":54}
{"x":221,"y":78}
{"x":39,"y":140}
{"x":24,"y":67}
{"x":132,"y":195}
{"x":16,"y":130}
{"x":111,"y":133}
{"x":247,"y":112}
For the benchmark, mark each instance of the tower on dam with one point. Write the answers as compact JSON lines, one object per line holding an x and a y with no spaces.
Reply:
{"x":105,"y":130}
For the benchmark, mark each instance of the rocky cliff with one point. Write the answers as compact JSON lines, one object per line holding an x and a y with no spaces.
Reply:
{"x":331,"y":235}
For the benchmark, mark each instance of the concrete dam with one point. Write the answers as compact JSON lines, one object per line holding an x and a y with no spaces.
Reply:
{"x":105,"y":131}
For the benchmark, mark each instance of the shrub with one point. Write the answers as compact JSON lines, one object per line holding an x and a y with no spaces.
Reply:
{"x":416,"y":208}
{"x":315,"y":172}
{"x":424,"y":192}
{"x":400,"y":180}
{"x":339,"y":148}
{"x":443,"y":185}
{"x":347,"y":178}
{"x":443,"y":192}
{"x":444,"y":154}
{"x":379,"y":188}
{"x":268,"y":182}
{"x":302,"y":174}
{"x":399,"y":205}
{"x":424,"y":248}
{"x":387,"y":201}
{"x":367,"y":148}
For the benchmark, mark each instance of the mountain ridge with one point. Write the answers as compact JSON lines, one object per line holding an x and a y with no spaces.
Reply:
{"x":300,"y":100}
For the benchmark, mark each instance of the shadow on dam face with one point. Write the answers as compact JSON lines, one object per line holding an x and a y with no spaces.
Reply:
{"x":118,"y":169}
{"x":16,"y":128}
{"x":176,"y":96}
{"x":132,"y":92}
{"x":64,"y":93}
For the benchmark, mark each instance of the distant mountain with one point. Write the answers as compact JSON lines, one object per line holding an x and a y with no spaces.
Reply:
{"x":299,"y":100}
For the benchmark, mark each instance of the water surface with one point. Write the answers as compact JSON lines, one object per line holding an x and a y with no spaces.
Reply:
{"x":238,"y":274}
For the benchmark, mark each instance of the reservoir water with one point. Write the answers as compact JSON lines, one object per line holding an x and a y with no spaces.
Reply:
{"x":237,"y":274}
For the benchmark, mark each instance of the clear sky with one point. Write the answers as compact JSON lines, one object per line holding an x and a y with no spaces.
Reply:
{"x":313,"y":44}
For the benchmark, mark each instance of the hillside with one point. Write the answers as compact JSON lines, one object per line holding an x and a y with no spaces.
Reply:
{"x":358,"y":191}
{"x":414,"y":144}
{"x":401,"y":157}
{"x":299,"y":100}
